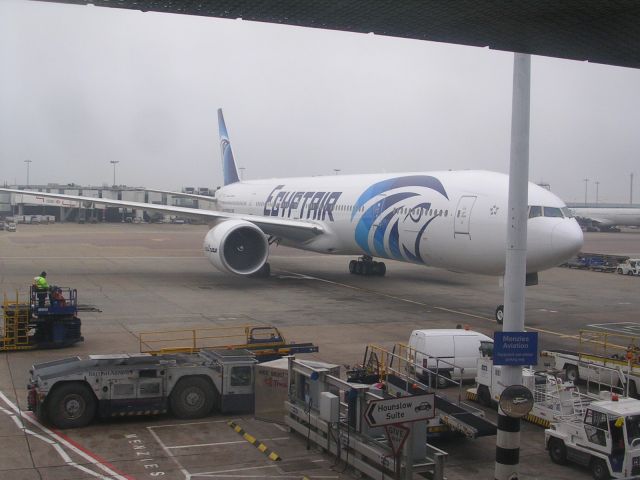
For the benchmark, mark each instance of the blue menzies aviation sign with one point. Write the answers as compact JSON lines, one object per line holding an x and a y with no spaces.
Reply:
{"x":515,"y":348}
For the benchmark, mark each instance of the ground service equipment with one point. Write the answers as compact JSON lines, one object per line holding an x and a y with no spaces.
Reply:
{"x":552,"y":396}
{"x":604,"y":358}
{"x":41,"y":320}
{"x":266,"y":342}
{"x":395,"y":372}
{"x":70,"y":392}
{"x":606,"y":438}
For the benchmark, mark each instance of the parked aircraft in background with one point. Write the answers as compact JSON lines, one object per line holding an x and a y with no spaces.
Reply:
{"x":606,"y":218}
{"x":455,"y":220}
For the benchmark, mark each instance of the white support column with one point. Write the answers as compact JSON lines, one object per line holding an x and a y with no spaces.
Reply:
{"x":508,"y":438}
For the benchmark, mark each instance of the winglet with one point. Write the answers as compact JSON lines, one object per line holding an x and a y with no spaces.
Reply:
{"x":229,"y":169}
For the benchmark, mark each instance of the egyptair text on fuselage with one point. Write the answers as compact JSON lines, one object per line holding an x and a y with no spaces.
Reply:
{"x":302,"y":205}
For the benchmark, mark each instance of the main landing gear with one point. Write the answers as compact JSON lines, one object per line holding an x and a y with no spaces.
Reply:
{"x":366,"y":266}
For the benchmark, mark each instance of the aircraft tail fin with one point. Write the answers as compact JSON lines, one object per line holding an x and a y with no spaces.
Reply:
{"x":229,"y":169}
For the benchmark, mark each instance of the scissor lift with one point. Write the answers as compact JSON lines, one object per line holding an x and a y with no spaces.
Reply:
{"x":49,"y":321}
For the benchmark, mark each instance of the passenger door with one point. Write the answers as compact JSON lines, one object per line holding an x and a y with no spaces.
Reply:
{"x":463,"y":215}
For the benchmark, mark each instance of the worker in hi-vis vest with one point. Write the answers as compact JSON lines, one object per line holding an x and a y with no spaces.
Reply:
{"x":41,"y":287}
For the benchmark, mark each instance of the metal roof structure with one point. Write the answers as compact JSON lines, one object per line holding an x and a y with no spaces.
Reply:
{"x":597,"y":31}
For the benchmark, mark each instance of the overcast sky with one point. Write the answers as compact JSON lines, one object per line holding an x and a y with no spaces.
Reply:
{"x":83,"y":85}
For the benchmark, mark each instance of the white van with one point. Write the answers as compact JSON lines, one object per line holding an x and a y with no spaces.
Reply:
{"x":448,"y":350}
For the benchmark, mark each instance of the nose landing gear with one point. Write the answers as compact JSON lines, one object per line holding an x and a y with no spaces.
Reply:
{"x":365,"y":265}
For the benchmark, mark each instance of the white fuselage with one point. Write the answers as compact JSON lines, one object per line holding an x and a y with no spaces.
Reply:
{"x":610,"y":216}
{"x":449,"y":219}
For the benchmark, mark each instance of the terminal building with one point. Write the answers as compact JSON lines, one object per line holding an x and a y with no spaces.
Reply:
{"x":34,"y":209}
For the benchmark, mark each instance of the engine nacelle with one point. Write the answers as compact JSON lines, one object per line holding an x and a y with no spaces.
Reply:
{"x":236,"y":246}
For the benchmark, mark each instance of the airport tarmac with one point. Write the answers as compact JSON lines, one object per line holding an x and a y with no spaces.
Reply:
{"x":155,"y":277}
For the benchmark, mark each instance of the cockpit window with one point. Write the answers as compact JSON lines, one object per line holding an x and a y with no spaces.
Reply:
{"x":552,"y":212}
{"x":567,"y":213}
{"x":535,"y":211}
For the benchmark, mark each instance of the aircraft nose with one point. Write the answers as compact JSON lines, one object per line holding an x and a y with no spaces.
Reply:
{"x":566,"y":239}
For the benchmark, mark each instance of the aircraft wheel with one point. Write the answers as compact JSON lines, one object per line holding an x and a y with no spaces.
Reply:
{"x":358,"y":268}
{"x":367,"y":268}
{"x":557,"y":451}
{"x":192,"y":397}
{"x":71,"y":405}
{"x":382,"y":269}
{"x":352,"y":267}
{"x":500,"y":314}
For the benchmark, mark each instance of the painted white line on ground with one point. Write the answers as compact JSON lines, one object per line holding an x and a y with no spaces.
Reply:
{"x":183,"y":470}
{"x":231,"y":470}
{"x":414,"y":302}
{"x":227,"y":443}
{"x":65,"y":457}
{"x":64,"y":442}
{"x":183,"y":424}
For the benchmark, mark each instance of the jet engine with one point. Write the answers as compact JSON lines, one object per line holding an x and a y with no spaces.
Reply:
{"x":237,"y":246}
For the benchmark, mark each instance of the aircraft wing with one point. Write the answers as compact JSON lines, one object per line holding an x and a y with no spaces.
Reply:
{"x":295,"y":230}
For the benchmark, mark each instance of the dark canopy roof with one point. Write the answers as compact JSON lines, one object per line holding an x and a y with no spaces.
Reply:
{"x":595,"y":30}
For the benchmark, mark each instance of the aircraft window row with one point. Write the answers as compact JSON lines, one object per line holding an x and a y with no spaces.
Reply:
{"x":554,"y":212}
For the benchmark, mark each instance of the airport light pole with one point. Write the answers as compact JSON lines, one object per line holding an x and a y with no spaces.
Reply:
{"x":597,"y":185}
{"x":114,"y":163}
{"x":28,"y":162}
{"x":631,"y":189}
{"x":586,"y":183}
{"x":241,"y":172}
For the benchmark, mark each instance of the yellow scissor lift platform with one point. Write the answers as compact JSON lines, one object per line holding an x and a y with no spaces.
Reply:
{"x":15,"y":332}
{"x":266,"y":342}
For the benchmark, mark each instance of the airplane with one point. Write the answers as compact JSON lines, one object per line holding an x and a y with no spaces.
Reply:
{"x":605,"y":218}
{"x":456,"y":220}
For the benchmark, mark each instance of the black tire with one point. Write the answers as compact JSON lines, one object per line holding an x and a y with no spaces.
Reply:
{"x":358,"y":268}
{"x":633,"y":389}
{"x":599,"y":469}
{"x":557,"y":451}
{"x":443,"y":379}
{"x":571,"y":373}
{"x":367,"y":268}
{"x":192,"y":397}
{"x":352,"y":266}
{"x":499,"y":314}
{"x":619,"y":270}
{"x":484,"y":395}
{"x":382,"y":269}
{"x":71,"y":405}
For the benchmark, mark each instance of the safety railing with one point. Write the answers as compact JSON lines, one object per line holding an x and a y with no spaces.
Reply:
{"x":192,"y":340}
